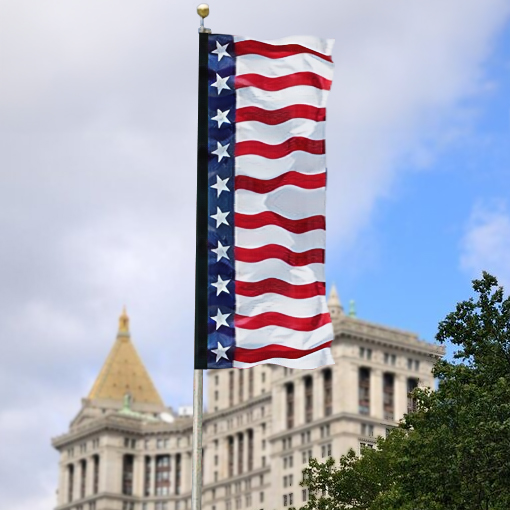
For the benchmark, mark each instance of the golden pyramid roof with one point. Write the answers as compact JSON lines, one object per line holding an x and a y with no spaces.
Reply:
{"x":124,"y":372}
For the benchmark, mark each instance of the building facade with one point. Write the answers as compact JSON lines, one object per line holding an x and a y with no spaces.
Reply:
{"x":126,"y":450}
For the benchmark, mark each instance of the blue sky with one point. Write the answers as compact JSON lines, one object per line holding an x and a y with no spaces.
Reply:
{"x":97,"y":184}
{"x":406,"y":267}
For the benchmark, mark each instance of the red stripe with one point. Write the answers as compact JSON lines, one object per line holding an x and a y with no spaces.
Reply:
{"x":273,"y":117}
{"x":274,"y":351}
{"x":275,"y":51}
{"x":296,"y":143}
{"x":275,"y":251}
{"x":282,"y":320}
{"x":305,"y":181}
{"x":282,"y":82}
{"x":251,"y":221}
{"x":276,"y":286}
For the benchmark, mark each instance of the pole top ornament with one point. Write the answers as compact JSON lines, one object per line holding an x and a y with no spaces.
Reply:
{"x":203,"y":10}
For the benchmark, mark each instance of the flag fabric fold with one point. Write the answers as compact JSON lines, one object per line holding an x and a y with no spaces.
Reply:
{"x":266,"y":202}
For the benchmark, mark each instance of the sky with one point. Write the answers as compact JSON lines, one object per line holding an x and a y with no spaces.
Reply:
{"x":97,"y":184}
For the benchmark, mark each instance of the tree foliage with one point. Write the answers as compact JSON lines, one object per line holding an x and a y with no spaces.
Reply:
{"x":453,"y":452}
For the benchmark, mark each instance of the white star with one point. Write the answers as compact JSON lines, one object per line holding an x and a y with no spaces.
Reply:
{"x":221,"y":251}
{"x":220,"y":319}
{"x":221,"y":51}
{"x":221,"y":117}
{"x":221,"y":286}
{"x":220,"y":352}
{"x":221,"y":151}
{"x":221,"y":185}
{"x":221,"y":83}
{"x":220,"y":217}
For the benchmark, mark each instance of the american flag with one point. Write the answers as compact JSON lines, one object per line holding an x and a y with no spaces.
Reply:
{"x":266,"y":200}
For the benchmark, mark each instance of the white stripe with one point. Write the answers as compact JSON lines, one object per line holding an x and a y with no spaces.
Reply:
{"x":264,"y":168}
{"x":272,"y":234}
{"x":276,"y":268}
{"x":274,"y":68}
{"x":324,"y":46}
{"x":277,"y":134}
{"x":309,"y":307}
{"x":272,"y":100}
{"x":256,"y":338}
{"x":311,"y":361}
{"x":289,"y":201}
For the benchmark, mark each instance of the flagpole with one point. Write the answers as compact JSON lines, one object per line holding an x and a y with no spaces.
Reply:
{"x":201,"y":277}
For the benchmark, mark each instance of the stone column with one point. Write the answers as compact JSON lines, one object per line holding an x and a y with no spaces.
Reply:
{"x":138,"y":472}
{"x":110,"y":471}
{"x":279,"y":415}
{"x":77,"y":478}
{"x":350,"y":384}
{"x":90,"y":476}
{"x":400,"y":396}
{"x":318,"y":395}
{"x":236,"y":453}
{"x":152,"y":484}
{"x":171,"y":462}
{"x":376,"y":393}
{"x":63,"y":484}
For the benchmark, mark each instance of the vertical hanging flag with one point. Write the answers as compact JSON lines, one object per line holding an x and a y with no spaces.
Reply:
{"x":266,"y":202}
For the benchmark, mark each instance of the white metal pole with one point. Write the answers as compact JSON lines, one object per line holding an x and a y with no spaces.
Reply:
{"x":198,"y":410}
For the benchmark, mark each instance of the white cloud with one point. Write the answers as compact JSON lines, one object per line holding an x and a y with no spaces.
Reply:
{"x":486,"y":243}
{"x":97,"y":166}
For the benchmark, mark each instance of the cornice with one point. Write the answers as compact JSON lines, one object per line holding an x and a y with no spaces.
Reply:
{"x":382,"y":335}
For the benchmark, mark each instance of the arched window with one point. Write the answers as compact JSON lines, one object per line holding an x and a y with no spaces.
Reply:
{"x":127,"y":474}
{"x":308,"y":399}
{"x":290,"y":404}
{"x":389,"y":396}
{"x":364,"y":390}
{"x":328,"y":392}
{"x":412,"y":383}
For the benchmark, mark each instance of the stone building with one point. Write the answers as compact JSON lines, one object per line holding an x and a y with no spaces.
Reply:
{"x":126,"y":450}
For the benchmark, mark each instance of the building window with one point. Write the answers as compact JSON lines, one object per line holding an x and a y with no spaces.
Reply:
{"x":127,"y":474}
{"x":364,"y":390}
{"x":240,"y":443}
{"x":416,"y":365}
{"x":95,"y":476}
{"x":328,"y":392}
{"x":147,"y":477}
{"x":389,"y":396}
{"x":263,"y":377}
{"x":409,"y":364}
{"x":412,"y":383}
{"x":162,"y":475}
{"x":304,"y":494}
{"x":216,"y":380}
{"x":241,"y":385}
{"x":290,"y":405}
{"x":365,"y":353}
{"x":250,"y":450}
{"x":70,"y":482}
{"x":251,"y":376}
{"x":178,"y":469}
{"x":367,"y":430}
{"x":285,"y":500}
{"x":230,"y":456}
{"x":216,"y":395}
{"x":83,"y":477}
{"x":308,"y":399}
{"x":364,"y":445}
{"x":231,"y":388}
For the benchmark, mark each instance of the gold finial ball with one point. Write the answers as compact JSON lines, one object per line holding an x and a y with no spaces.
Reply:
{"x":203,"y":10}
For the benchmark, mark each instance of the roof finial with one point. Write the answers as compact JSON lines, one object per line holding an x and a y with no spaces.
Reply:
{"x":124,"y":323}
{"x":352,"y":308}
{"x":334,"y":304}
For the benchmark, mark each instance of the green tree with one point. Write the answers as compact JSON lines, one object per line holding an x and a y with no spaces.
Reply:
{"x":453,"y":452}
